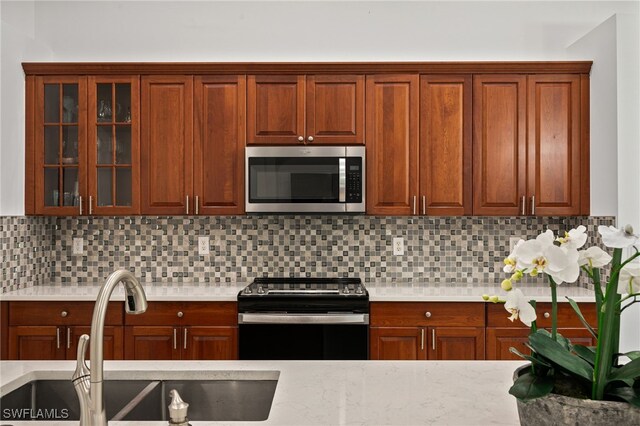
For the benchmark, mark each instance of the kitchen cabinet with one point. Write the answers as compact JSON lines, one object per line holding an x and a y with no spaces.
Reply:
{"x":534,"y":118}
{"x":310,"y":109}
{"x":427,"y":330}
{"x":392,"y":144}
{"x":50,"y":330}
{"x":189,"y":169}
{"x":503,"y":334}
{"x":4,"y":330}
{"x":183,"y":330}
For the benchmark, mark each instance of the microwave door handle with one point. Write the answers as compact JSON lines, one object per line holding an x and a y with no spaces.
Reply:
{"x":342,"y":180}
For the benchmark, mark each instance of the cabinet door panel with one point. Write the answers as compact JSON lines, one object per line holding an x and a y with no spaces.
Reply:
{"x":499,"y":144}
{"x":335,"y":109}
{"x":445,"y":145}
{"x":144,"y":343}
{"x":166,"y":144}
{"x":36,"y":343}
{"x":554,"y":144}
{"x":113,"y":341}
{"x":456,"y":343}
{"x":275,"y":108}
{"x":499,"y":340}
{"x":392,"y":144}
{"x":205,"y":343}
{"x":219,"y":144}
{"x":397,"y":343}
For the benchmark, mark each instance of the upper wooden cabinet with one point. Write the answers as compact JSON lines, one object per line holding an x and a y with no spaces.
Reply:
{"x":312,"y":109}
{"x":528,"y":153}
{"x":392,"y":144}
{"x":187,"y":168}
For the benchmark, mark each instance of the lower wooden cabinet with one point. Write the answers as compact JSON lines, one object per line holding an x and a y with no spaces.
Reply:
{"x":500,"y":339}
{"x":427,"y":330}
{"x":183,"y":330}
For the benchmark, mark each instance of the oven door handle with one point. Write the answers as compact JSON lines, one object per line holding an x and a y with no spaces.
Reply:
{"x":303,"y":319}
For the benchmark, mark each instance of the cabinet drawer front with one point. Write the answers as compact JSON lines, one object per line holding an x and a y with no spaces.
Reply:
{"x":497,"y":316}
{"x":61,"y":313}
{"x":186,"y":313}
{"x":453,"y":314}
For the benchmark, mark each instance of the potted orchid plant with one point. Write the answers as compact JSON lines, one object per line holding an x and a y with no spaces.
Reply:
{"x":561,"y":373}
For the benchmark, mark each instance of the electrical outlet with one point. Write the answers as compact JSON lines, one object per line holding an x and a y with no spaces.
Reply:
{"x":78,"y":246}
{"x":513,"y":241}
{"x":203,"y":246}
{"x":398,"y":246}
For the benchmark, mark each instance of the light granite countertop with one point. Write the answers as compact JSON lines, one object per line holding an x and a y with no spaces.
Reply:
{"x":394,"y":291}
{"x":329,"y":392}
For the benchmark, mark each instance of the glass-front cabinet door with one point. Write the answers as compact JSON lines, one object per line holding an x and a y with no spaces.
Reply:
{"x":60,"y":149}
{"x":113,"y":145}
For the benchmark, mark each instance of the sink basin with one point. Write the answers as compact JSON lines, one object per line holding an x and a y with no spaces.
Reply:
{"x":139,"y":400}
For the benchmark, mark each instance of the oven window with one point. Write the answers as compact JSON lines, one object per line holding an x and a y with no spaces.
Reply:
{"x":293,"y":180}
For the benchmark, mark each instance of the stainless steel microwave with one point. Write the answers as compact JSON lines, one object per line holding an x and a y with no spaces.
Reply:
{"x":305,"y":179}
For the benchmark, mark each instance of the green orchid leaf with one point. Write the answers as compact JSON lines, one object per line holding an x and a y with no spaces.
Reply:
{"x":629,"y":371}
{"x":533,"y":359}
{"x":584,"y":322}
{"x":585,"y":353}
{"x":529,"y":386}
{"x":632,"y":355}
{"x":557,"y":354}
{"x":631,"y":395}
{"x":561,"y":339}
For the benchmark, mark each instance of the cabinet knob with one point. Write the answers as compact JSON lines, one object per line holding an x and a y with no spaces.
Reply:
{"x":310,"y":138}
{"x":547,"y":314}
{"x":427,"y":314}
{"x":300,"y":138}
{"x":180,"y":314}
{"x":64,"y":314}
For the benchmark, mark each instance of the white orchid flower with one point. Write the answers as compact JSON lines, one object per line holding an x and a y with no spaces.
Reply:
{"x":594,"y":256}
{"x":629,"y":279}
{"x":546,"y":238}
{"x":573,"y":239}
{"x":618,"y":238}
{"x":536,"y":256}
{"x":511,"y":261}
{"x":519,"y":308}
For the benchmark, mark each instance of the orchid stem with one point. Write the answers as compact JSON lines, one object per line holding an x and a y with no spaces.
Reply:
{"x":554,"y":309}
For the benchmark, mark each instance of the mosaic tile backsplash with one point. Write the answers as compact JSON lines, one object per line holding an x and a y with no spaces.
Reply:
{"x":164,"y":249}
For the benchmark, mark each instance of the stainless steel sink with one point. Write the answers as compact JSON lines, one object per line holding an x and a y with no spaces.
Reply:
{"x":139,"y":400}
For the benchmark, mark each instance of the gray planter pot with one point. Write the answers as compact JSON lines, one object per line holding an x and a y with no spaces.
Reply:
{"x":563,"y":410}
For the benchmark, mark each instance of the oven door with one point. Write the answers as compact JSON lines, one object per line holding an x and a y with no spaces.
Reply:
{"x":298,"y":179}
{"x":303,"y":337}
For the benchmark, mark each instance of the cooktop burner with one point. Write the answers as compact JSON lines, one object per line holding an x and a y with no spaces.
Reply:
{"x":305,"y":287}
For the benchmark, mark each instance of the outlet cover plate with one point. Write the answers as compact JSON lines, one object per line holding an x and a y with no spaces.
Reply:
{"x":203,"y":246}
{"x":398,"y":246}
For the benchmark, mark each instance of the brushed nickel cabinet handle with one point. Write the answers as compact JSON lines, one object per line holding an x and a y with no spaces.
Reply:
{"x":524,"y":203}
{"x":547,"y":315}
{"x":424,"y":204}
{"x":185,"y":338}
{"x":427,"y":314}
{"x":197,"y":205}
{"x":80,"y":204}
{"x":175,"y":339}
{"x":180,"y":314}
{"x":187,"y":205}
{"x":300,"y":138}
{"x":433,"y":339}
{"x":310,"y":138}
{"x":533,"y":204}
{"x":68,"y":338}
{"x":414,"y":204}
{"x":90,"y":205}
{"x":57,"y":337}
{"x":422,"y":339}
{"x":64,"y":314}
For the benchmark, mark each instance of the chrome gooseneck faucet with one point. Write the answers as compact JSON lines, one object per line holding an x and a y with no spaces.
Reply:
{"x":90,"y":394}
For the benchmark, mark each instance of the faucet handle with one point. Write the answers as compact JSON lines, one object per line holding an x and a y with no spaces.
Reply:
{"x":81,"y":380}
{"x":81,"y":366}
{"x":177,"y":409}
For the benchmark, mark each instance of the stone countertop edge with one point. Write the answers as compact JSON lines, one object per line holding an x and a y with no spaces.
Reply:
{"x":329,"y":392}
{"x":219,"y":292}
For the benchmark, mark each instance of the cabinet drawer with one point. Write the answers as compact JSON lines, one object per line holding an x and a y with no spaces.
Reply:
{"x":61,"y":313}
{"x":192,"y":313}
{"x":497,"y":316}
{"x":406,"y":314}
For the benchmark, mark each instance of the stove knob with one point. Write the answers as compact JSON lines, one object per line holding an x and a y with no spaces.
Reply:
{"x":345,"y":290}
{"x":247,"y":291}
{"x":359,"y":290}
{"x":260,"y":290}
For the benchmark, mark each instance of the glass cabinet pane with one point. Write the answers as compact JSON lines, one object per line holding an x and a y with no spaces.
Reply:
{"x":104,"y":145}
{"x":123,"y":103}
{"x":69,"y":103}
{"x":70,"y":144}
{"x":51,"y":193}
{"x":104,"y":186}
{"x":51,"y":103}
{"x":123,"y":186}
{"x":103,"y":100}
{"x":123,"y":145}
{"x":52,"y":144}
{"x":70,"y":186}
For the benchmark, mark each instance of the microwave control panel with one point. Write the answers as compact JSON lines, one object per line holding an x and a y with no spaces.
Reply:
{"x":354,"y":179}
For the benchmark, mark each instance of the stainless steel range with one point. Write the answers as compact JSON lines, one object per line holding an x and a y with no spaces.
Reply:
{"x":304,"y":318}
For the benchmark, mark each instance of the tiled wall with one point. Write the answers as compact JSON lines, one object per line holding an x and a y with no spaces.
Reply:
{"x":437,"y":249}
{"x":27,"y":246}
